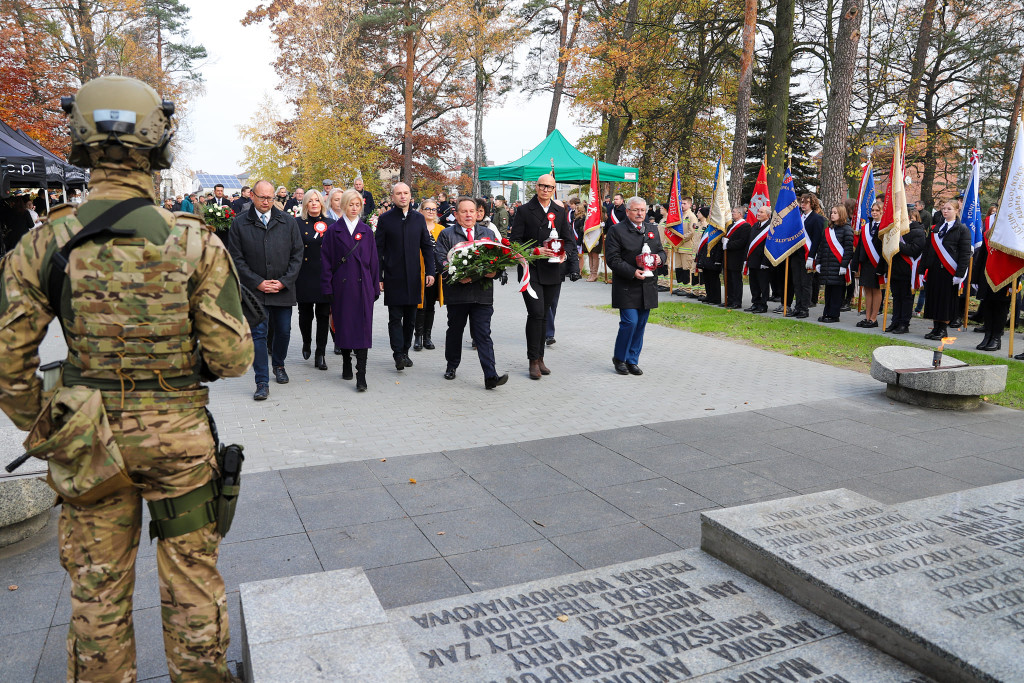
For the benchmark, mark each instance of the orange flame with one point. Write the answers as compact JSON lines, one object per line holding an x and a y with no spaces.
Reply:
{"x":946,"y":340}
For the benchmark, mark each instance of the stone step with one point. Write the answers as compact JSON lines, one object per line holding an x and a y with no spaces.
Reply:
{"x":937,"y":583}
{"x":680,"y":616}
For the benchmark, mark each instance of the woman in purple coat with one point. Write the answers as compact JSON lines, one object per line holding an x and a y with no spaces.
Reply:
{"x":350,"y":277}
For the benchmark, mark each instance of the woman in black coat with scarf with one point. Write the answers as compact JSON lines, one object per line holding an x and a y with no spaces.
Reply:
{"x":834,"y":255}
{"x":946,"y":258}
{"x":312,"y":302}
{"x":872,"y":267}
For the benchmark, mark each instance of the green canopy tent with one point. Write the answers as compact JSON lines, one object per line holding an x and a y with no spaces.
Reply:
{"x":571,"y":165}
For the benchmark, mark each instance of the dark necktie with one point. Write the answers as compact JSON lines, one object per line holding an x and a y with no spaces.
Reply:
{"x":943,"y":230}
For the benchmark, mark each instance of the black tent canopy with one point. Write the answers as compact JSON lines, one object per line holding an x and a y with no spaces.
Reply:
{"x":29,"y":164}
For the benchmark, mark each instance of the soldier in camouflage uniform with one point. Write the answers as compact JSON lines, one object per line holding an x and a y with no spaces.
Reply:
{"x":147,"y":315}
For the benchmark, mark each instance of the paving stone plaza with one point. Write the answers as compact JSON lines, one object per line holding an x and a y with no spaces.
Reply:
{"x":573,"y":473}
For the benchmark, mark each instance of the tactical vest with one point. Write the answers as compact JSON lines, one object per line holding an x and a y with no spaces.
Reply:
{"x":128,"y":299}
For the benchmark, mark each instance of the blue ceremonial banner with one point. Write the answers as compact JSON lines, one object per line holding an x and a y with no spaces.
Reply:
{"x":719,"y":215}
{"x":866,"y":198}
{"x":971,"y":215}
{"x":786,"y":233}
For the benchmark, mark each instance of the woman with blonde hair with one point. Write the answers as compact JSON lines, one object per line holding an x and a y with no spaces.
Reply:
{"x":312,"y":302}
{"x":872,"y":267}
{"x":425,"y":311}
{"x":333,"y":210}
{"x":350,"y":278}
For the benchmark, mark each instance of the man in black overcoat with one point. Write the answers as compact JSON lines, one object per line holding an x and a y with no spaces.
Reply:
{"x":735,"y":243}
{"x":402,"y":237}
{"x":758,"y":265}
{"x":632,"y":293}
{"x":814,"y":224}
{"x":533,"y":223}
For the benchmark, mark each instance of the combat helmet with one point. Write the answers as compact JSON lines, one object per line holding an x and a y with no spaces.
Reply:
{"x":118,"y":119}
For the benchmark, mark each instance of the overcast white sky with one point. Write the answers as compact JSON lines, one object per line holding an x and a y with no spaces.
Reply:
{"x":240,"y":71}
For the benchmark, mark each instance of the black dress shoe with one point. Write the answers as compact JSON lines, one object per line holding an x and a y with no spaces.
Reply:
{"x":417,"y":342}
{"x":262,"y":392}
{"x":427,"y":344}
{"x":620,"y":366}
{"x":1019,"y":356}
{"x":956,"y":323}
{"x":337,"y":351}
{"x":862,"y":323}
{"x":774,"y":299}
{"x":901,"y":329}
{"x":873,"y":323}
{"x":804,"y":313}
{"x":979,"y":328}
{"x":280,"y":376}
{"x":305,"y":351}
{"x":549,"y":341}
{"x":760,"y":309}
{"x":702,"y":299}
{"x":319,"y":361}
{"x":407,"y":360}
{"x":491,"y":382}
{"x":720,"y":304}
{"x":751,"y":309}
{"x":994,"y":344}
{"x":449,"y":373}
{"x":777,"y":309}
{"x":845,"y":308}
{"x":634,"y":369}
{"x":399,"y":362}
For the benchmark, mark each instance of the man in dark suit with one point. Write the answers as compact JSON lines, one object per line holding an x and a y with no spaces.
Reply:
{"x":241,"y":204}
{"x":467,"y":300}
{"x":758,"y":265}
{"x":219,"y":198}
{"x":368,"y":205}
{"x":534,"y":222}
{"x":735,"y":243}
{"x":616,"y":211}
{"x":402,"y":237}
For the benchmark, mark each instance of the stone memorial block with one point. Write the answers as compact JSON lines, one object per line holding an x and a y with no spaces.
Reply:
{"x":680,"y":616}
{"x":938,"y":583}
{"x":910,"y":378}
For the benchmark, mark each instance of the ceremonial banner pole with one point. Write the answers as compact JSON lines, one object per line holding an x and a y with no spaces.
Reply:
{"x":860,"y":295}
{"x":671,"y":269}
{"x":785,"y":290}
{"x":725,"y":271}
{"x":1013,"y":314}
{"x":967,"y":299}
{"x":888,"y":287}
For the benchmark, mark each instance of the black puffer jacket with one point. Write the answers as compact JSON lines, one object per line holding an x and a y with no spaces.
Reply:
{"x":830,"y":266}
{"x":911,"y":246}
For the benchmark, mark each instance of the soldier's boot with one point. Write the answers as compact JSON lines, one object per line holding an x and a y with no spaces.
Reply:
{"x":346,"y":359}
{"x":360,"y":369}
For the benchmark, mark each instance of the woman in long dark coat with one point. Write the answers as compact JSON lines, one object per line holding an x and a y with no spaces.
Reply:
{"x":350,"y":279}
{"x":835,"y":253}
{"x":946,"y":258}
{"x":872,"y":265}
{"x":313,"y":303}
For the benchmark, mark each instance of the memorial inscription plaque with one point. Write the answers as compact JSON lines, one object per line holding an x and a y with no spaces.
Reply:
{"x":937,"y":582}
{"x":681,"y":616}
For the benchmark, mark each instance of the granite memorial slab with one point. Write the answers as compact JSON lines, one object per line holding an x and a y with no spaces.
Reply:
{"x":937,"y":583}
{"x":679,"y":616}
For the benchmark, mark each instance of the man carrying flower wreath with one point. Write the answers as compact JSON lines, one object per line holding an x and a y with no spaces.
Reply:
{"x":469,"y":298}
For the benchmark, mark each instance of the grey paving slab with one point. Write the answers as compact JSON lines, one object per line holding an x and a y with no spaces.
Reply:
{"x":20,"y":653}
{"x":1011,"y":457}
{"x":675,"y":459}
{"x":268,"y":558}
{"x":997,"y":429}
{"x":33,"y":555}
{"x":800,"y":414}
{"x":734,"y":450}
{"x":53,"y":662}
{"x":376,"y":544}
{"x":682,"y":529}
{"x":440,"y":495}
{"x":423,"y":467}
{"x":348,"y":508}
{"x":730,"y":485}
{"x":491,"y":458}
{"x":629,"y":440}
{"x":602,"y":469}
{"x":653,"y":498}
{"x":917,"y":482}
{"x":413,"y":582}
{"x":31,"y":606}
{"x":263,"y":518}
{"x":612,"y":545}
{"x":569,"y":512}
{"x":963,"y":442}
{"x":850,"y":431}
{"x":479,"y":528}
{"x":263,"y":486}
{"x":857,"y":461}
{"x":801,"y":441}
{"x":977,"y":471}
{"x":310,"y":481}
{"x":526,"y":482}
{"x":795,"y":472}
{"x":507,"y":565}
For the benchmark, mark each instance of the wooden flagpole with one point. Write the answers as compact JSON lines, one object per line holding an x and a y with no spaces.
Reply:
{"x":888,"y":291}
{"x":672,"y":269}
{"x":1013,"y":314}
{"x":967,"y":289}
{"x":785,"y":289}
{"x":725,"y":272}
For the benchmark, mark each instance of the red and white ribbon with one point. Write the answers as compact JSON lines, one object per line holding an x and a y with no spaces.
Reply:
{"x":948,"y":262}
{"x":464,"y":247}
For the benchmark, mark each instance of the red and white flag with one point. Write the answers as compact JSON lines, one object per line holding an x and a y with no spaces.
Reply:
{"x":760,"y":197}
{"x":1006,"y":240}
{"x":674,"y":218}
{"x":592,"y":226}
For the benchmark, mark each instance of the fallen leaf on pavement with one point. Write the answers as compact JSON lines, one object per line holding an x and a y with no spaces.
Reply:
{"x":12,"y":587}
{"x":412,"y":481}
{"x":562,"y":618}
{"x":440,"y":533}
{"x":537,"y":523}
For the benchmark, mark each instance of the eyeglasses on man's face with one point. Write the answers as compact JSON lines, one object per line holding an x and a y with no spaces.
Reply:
{"x":541,"y":186}
{"x":264,"y":198}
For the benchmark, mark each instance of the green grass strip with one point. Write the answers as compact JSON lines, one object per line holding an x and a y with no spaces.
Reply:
{"x":828,"y":345}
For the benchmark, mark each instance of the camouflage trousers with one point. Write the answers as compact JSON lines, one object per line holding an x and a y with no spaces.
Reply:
{"x":168,"y":449}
